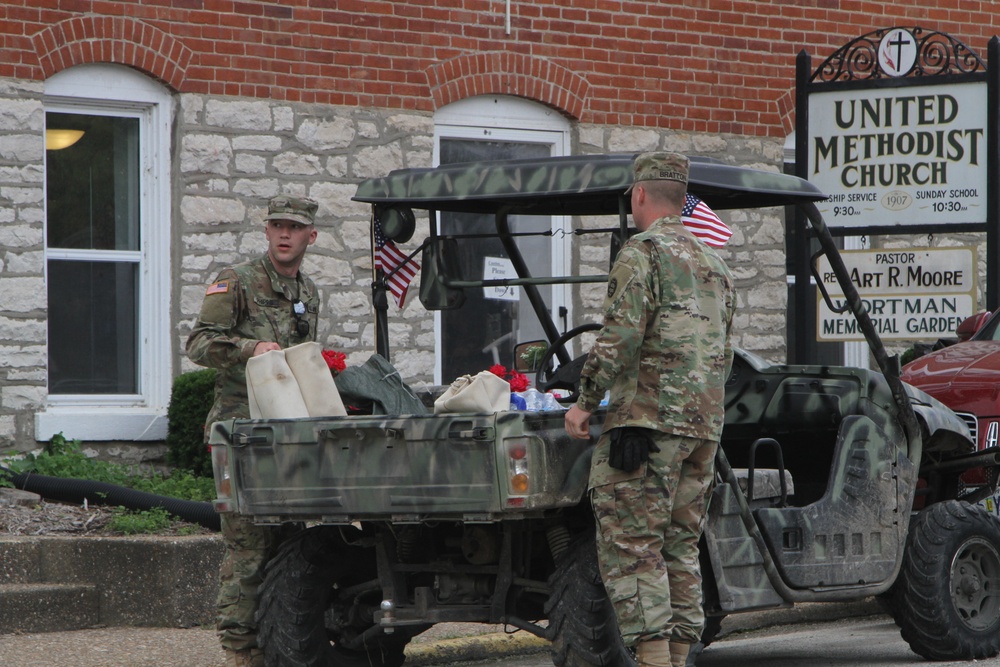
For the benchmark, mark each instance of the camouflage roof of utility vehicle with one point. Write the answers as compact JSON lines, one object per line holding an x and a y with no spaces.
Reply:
{"x":572,"y":185}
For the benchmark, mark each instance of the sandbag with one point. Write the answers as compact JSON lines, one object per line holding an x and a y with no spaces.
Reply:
{"x":292,"y":384}
{"x":316,"y":384}
{"x":483,"y":392}
{"x":272,"y":388}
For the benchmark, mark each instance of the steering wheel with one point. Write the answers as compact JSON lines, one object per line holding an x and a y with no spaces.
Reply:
{"x":567,"y":376}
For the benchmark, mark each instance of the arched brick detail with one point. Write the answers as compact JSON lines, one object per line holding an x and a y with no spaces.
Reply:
{"x":786,"y":111}
{"x":105,"y":39}
{"x":501,"y":72}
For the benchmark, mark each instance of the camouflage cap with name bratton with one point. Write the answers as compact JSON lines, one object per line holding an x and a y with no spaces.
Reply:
{"x":296,"y":209}
{"x":659,"y":167}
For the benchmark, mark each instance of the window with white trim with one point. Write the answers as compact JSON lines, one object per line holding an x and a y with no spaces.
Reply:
{"x":107,"y":252}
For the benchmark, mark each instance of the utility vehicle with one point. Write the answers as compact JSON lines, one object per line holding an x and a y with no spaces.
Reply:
{"x":834,"y":483}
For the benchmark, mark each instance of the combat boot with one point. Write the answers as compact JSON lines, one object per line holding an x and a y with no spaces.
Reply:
{"x":654,"y":653}
{"x":248,"y":657}
{"x":679,"y":654}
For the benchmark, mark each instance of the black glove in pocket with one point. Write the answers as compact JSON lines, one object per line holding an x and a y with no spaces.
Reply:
{"x":630,"y":448}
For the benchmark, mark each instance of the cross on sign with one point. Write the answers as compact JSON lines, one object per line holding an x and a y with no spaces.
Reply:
{"x":897,"y":51}
{"x":899,"y":43}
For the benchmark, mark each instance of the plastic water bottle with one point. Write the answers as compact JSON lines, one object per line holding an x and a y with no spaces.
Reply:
{"x":532,"y":399}
{"x":517,"y":402}
{"x":549,"y":402}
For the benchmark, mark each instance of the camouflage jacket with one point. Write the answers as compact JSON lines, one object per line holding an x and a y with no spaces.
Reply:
{"x":246,"y":304}
{"x":664,"y":350}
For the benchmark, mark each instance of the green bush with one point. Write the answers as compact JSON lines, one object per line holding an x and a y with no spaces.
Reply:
{"x":190,"y":400}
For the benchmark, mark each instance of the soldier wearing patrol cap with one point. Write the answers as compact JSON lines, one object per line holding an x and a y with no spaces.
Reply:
{"x":664,"y":354}
{"x":263,"y":304}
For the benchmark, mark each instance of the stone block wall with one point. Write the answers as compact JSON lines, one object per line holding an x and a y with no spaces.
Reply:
{"x":235,"y":154}
{"x":23,"y":298}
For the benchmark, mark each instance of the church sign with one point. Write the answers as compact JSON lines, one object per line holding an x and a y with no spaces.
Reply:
{"x":904,"y":156}
{"x":901,"y":155}
{"x":899,"y":128}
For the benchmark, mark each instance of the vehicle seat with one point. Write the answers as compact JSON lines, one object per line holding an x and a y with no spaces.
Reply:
{"x":766,"y":486}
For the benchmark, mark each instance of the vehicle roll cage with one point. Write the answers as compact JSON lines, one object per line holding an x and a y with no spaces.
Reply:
{"x":588,"y":185}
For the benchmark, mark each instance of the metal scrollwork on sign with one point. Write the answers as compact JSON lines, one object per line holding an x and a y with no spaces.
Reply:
{"x":925,"y":52}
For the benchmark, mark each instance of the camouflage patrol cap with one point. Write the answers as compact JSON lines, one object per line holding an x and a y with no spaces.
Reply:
{"x":296,"y":209}
{"x":659,"y":166}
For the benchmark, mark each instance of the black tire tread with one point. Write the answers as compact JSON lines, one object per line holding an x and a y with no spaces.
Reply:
{"x":293,"y":600}
{"x":582,"y":625}
{"x":921,"y":598}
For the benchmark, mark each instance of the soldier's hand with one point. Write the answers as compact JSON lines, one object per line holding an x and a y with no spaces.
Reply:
{"x":577,"y":423}
{"x":264,"y":346}
{"x":630,"y":448}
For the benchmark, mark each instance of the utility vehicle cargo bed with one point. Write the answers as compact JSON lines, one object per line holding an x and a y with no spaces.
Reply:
{"x":445,"y":466}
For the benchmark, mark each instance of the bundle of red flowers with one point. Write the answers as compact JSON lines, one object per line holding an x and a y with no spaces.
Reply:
{"x":337,"y":361}
{"x":518,"y":381}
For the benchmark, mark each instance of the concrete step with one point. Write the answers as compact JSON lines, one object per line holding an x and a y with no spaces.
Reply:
{"x":48,"y":607}
{"x":20,"y":561}
{"x":127,"y":581}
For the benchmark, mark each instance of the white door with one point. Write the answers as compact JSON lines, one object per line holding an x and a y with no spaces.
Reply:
{"x":492,"y":321}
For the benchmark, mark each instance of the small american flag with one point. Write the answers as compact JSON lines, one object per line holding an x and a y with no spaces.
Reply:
{"x":388,"y":257}
{"x":704,"y":223}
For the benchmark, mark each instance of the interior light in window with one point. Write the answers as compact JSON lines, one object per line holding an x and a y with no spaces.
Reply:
{"x":58,"y":139}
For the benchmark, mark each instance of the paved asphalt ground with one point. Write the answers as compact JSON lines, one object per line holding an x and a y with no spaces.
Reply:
{"x":199,"y":647}
{"x":443,"y":644}
{"x":113,"y":647}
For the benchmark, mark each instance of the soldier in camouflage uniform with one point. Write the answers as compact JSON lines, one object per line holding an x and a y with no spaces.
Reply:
{"x":251,"y":308}
{"x":664,"y":354}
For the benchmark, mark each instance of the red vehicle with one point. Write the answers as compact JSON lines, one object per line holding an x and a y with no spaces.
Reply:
{"x":965,"y":376}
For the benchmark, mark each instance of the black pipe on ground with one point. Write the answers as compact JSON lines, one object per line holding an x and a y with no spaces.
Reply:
{"x":77,"y":491}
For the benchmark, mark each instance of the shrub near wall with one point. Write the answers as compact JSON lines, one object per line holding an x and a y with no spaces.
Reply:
{"x":190,"y":400}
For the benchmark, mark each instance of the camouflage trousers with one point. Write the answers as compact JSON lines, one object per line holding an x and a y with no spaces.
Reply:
{"x":650,"y":521}
{"x":248,"y":548}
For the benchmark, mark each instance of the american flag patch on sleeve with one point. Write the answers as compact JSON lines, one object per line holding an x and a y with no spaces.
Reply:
{"x":220,"y":287}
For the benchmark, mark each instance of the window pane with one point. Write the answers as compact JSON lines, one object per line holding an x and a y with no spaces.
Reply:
{"x":485,"y":323}
{"x":92,"y":186}
{"x":93,"y":308}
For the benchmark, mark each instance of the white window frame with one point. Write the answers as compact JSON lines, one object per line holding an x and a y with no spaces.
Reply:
{"x":509,"y":118}
{"x":120,"y":91}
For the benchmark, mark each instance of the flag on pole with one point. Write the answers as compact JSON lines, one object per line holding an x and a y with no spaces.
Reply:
{"x":704,"y":223}
{"x":394,"y":264}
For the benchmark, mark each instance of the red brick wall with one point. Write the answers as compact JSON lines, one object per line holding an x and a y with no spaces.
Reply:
{"x":696,"y":65}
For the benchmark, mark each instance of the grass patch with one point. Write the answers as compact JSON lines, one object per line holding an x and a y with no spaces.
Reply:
{"x":136,"y":522}
{"x":65,"y":459}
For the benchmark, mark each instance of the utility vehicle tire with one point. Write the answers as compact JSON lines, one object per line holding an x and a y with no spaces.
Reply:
{"x":713,"y":625}
{"x":892,"y":601}
{"x":950,"y":583}
{"x":582,"y":625}
{"x":302,"y":584}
